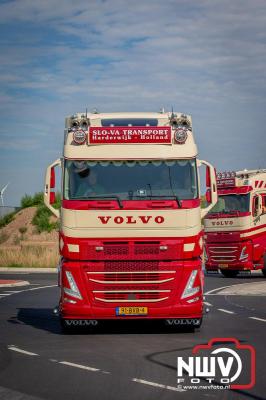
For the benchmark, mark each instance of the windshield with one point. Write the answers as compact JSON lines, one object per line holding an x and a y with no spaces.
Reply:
{"x":231,"y":202}
{"x":130,"y":180}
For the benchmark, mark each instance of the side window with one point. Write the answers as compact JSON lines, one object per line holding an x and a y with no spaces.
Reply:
{"x":255,"y":205}
{"x":263,"y":203}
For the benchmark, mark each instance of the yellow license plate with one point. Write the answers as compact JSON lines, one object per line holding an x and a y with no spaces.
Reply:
{"x":223,"y":265}
{"x":131,"y":311}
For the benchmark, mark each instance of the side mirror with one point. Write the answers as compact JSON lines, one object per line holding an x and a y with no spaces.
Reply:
{"x":52,"y":197}
{"x":49,"y":194}
{"x":208,"y":196}
{"x":208,"y":177}
{"x":211,"y":186}
{"x":52,"y":178}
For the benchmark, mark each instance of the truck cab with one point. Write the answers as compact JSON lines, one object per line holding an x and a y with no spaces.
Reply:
{"x":235,"y":228}
{"x":130,"y":220}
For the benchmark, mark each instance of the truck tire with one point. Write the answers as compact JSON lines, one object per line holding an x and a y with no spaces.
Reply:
{"x":229,"y":274}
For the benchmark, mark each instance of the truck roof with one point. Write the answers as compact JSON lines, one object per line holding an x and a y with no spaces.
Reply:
{"x":250,"y":179}
{"x":130,"y":151}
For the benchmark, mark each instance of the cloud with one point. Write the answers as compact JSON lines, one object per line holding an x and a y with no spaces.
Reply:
{"x":206,"y":58}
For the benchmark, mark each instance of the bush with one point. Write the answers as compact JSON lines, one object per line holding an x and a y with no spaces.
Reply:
{"x":42,"y":220}
{"x":29,"y":201}
{"x":23,"y":229}
{"x":7,"y":219}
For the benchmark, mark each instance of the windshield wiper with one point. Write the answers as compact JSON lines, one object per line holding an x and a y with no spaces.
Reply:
{"x":153,"y":196}
{"x":99,"y":198}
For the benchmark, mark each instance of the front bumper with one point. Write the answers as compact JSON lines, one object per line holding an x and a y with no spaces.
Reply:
{"x":236,"y":266}
{"x":71,"y":311}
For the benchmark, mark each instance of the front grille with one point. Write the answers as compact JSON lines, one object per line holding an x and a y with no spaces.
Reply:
{"x":223,"y":253}
{"x":114,"y":250}
{"x":114,"y":266}
{"x":131,"y":296}
{"x":146,"y":249}
{"x":129,"y":277}
{"x":131,"y":282}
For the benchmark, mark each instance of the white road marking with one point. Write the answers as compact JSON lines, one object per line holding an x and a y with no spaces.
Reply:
{"x":79,"y":366}
{"x":40,"y":287}
{"x":13,"y":291}
{"x":226,"y":311}
{"x":29,"y":353}
{"x":258,"y":319}
{"x":217,"y":289}
{"x":207,"y":304}
{"x":25,"y":290}
{"x":158,"y":385}
{"x":5,"y":294}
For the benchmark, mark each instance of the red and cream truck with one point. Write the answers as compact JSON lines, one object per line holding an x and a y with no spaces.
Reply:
{"x":235,"y":228}
{"x":130,"y":219}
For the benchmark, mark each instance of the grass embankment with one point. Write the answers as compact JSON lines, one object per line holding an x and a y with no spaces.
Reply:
{"x":28,"y":237}
{"x":37,"y":256}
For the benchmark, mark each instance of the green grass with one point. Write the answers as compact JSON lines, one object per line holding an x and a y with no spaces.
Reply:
{"x":30,"y":201}
{"x":7,"y":219}
{"x":42,"y":216}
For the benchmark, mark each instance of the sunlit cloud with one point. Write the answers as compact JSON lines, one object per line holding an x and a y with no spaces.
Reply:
{"x":206,"y":58}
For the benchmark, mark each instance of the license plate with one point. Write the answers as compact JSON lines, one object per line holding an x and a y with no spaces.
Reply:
{"x":131,"y":311}
{"x":223,"y":265}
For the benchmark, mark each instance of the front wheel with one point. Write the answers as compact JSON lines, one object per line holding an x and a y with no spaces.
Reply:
{"x":229,"y":274}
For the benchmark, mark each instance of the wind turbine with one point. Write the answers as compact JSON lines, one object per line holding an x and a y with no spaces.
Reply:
{"x":2,"y":192}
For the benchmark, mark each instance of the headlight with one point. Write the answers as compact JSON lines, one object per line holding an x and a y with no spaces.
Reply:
{"x":73,"y":291}
{"x":189,"y":289}
{"x":243,"y":255}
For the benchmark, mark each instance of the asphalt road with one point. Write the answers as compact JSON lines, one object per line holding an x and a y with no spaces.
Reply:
{"x":119,"y":360}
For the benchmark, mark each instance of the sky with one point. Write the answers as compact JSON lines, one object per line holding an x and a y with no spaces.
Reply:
{"x":206,"y":58}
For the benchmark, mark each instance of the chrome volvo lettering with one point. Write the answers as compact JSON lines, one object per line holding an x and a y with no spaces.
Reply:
{"x":222,"y":223}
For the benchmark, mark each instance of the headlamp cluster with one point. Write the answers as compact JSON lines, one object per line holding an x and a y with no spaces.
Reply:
{"x":79,"y":129}
{"x":226,"y":175}
{"x":181,"y":126}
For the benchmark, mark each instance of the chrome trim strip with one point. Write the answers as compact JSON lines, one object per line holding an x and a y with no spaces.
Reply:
{"x":121,"y":282}
{"x":223,"y":247}
{"x":131,"y":272}
{"x":222,"y":251}
{"x":132,"y":301}
{"x":131,"y":291}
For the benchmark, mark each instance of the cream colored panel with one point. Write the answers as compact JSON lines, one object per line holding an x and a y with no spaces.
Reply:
{"x":132,"y":151}
{"x":228,"y":224}
{"x":127,"y":233}
{"x":252,"y":233}
{"x":131,"y":223}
